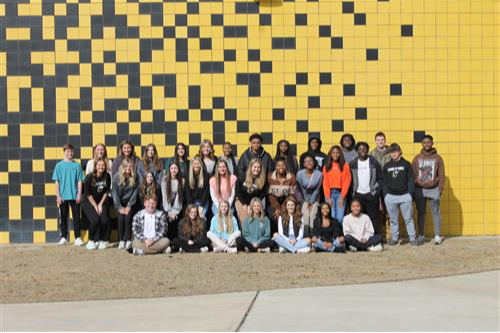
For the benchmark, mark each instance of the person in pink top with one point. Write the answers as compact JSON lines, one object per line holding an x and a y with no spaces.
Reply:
{"x":222,"y":186}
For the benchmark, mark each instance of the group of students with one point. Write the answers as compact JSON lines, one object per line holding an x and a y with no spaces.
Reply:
{"x":280,"y":203}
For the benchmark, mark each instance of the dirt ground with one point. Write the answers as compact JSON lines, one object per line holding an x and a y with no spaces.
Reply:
{"x":31,"y":273}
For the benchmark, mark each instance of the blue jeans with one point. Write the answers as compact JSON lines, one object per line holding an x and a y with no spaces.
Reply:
{"x":283,"y":242}
{"x":197,"y":203}
{"x":338,"y":211}
{"x":337,"y":247}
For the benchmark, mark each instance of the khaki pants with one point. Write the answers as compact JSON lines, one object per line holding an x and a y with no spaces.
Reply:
{"x":158,"y":247}
{"x":308,"y":216}
{"x":220,"y":244}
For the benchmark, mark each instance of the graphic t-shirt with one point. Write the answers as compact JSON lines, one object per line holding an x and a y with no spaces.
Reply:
{"x":97,"y":190}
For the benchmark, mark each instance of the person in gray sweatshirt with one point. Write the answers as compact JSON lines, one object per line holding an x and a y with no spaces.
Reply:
{"x":347,"y":142}
{"x":309,"y":181}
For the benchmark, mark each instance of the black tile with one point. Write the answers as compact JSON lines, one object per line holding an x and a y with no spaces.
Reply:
{"x":301,"y":78}
{"x":337,"y":43}
{"x":180,"y":20}
{"x":217,"y":19}
{"x":193,"y":8}
{"x":283,"y":43}
{"x":265,"y":19}
{"x":205,"y":43}
{"x":253,"y":55}
{"x":396,"y":89}
{"x":417,"y":136}
{"x":278,"y":114}
{"x":349,"y":89}
{"x":246,"y":7}
{"x":325,"y":78}
{"x":218,"y":127}
{"x":360,"y":19}
{"x":266,"y":66}
{"x":229,"y":55}
{"x":207,"y":115}
{"x":337,"y":125}
{"x":242,"y":126}
{"x":194,"y":139}
{"x":302,"y":126}
{"x":193,"y":32}
{"x":406,"y":30}
{"x":371,"y":54}
{"x":182,"y":115}
{"x":301,"y":19}
{"x":325,"y":31}
{"x":314,"y":102}
{"x":361,"y":113}
{"x":348,"y":7}
{"x":290,"y":90}
{"x":218,"y":102}
{"x":230,"y":114}
{"x":168,"y":32}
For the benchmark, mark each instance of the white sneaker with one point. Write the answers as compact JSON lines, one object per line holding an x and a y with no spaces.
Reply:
{"x":168,"y":250}
{"x":121,"y":245}
{"x":246,"y":249}
{"x":91,"y":245}
{"x":128,"y":245}
{"x":264,"y":250}
{"x":102,"y":246}
{"x":352,"y":248}
{"x":232,"y":250}
{"x":204,"y":249}
{"x":438,"y":240}
{"x":138,"y":252}
{"x":304,"y":250}
{"x":282,"y":250}
{"x":218,"y":249}
{"x":181,"y":250}
{"x":376,"y":248}
{"x":62,"y":241}
{"x":78,"y":242}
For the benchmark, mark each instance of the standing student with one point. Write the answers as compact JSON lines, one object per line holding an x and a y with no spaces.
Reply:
{"x":124,"y":188}
{"x":428,"y":168}
{"x":309,"y":181}
{"x":358,"y":230}
{"x":206,"y":153}
{"x":255,"y":151}
{"x":172,"y":191}
{"x":283,"y":151}
{"x":228,"y":156}
{"x":290,"y":235}
{"x":99,"y":151}
{"x":314,"y":149}
{"x":224,"y":230}
{"x":180,"y":157}
{"x":256,"y":231}
{"x":336,"y":182}
{"x":281,"y":185}
{"x":398,"y":191}
{"x":347,"y":142}
{"x":149,"y":227}
{"x":222,"y":186}
{"x":198,"y":186}
{"x":192,"y":233}
{"x":68,"y":176}
{"x":150,"y":163}
{"x":96,"y":204}
{"x":381,"y":152}
{"x":327,"y":234}
{"x":148,"y":187}
{"x":126,"y":151}
{"x":367,"y":181}
{"x":252,"y":186}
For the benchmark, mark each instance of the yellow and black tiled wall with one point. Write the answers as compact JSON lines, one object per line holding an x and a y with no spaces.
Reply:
{"x":181,"y":71}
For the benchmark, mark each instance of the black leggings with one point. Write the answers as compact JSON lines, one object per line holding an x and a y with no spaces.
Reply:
{"x":372,"y":241}
{"x":195,"y":247}
{"x":371,"y":207}
{"x":98,"y":223}
{"x":125,"y":225}
{"x":241,"y":243}
{"x":75,"y":210}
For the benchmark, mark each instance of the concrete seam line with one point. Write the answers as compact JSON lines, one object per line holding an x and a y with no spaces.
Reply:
{"x":247,"y":312}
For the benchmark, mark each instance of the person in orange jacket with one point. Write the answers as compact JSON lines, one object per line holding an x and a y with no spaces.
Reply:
{"x":336,"y":181}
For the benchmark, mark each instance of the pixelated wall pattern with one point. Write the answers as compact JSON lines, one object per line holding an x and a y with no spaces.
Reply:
{"x":180,"y":71}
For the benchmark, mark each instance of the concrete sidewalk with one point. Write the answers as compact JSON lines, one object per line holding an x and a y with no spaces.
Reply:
{"x":458,"y":303}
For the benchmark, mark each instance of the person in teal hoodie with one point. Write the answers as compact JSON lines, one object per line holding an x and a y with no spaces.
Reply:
{"x":256,"y":230}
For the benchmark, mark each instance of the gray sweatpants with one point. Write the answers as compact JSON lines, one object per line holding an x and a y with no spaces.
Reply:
{"x":404,"y":202}
{"x":434,"y":203}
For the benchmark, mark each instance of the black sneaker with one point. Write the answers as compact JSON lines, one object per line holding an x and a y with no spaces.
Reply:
{"x":392,"y":242}
{"x":414,"y":243}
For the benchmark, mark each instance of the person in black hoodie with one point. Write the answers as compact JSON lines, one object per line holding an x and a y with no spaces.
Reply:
{"x":399,"y":186}
{"x":314,"y":149}
{"x":197,"y":187}
{"x":255,"y":151}
{"x":327,"y":234}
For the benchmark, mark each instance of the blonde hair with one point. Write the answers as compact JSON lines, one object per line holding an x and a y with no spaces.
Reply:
{"x":211,"y":145}
{"x":201,"y":177}
{"x":260,"y":180}
{"x":122,"y":178}
{"x":252,"y":214}
{"x":227,"y":217}
{"x":218,"y":178}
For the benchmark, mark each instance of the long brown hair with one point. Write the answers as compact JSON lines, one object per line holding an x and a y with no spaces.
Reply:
{"x":127,"y":142}
{"x":329,"y":160}
{"x":155,"y":160}
{"x":285,"y":217}
{"x":168,"y":182}
{"x":94,"y":172}
{"x":192,"y":227}
{"x":146,"y":189}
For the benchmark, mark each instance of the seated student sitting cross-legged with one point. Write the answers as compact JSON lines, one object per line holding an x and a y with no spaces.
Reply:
{"x":192,"y":233}
{"x":224,"y":230}
{"x":358,"y":230}
{"x":256,"y":234}
{"x":290,"y":235}
{"x":327,"y":233}
{"x":149,"y":227}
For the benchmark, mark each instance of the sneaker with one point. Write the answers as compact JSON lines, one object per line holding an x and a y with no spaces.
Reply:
{"x":78,"y":242}
{"x":352,"y":248}
{"x":246,"y":249}
{"x":393,"y":242}
{"x":264,"y":250}
{"x":91,"y":245}
{"x":121,"y":245}
{"x":304,"y":250}
{"x":376,"y":248}
{"x":168,"y":250}
{"x":421,"y":240}
{"x":128,"y":245}
{"x":138,"y":252}
{"x":414,"y":243}
{"x":181,"y":250}
{"x":102,"y":246}
{"x":204,"y":249}
{"x":62,"y":241}
{"x":438,"y":240}
{"x":282,"y":250}
{"x":232,"y":250}
{"x":218,"y":249}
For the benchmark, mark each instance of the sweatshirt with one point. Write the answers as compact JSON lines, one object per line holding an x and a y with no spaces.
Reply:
{"x":358,"y":227}
{"x":326,"y":234}
{"x":309,"y":187}
{"x":349,"y":155}
{"x":225,"y":194}
{"x":214,"y":227}
{"x":336,"y":179}
{"x":124,"y":193}
{"x":248,"y":155}
{"x":245,"y":192}
{"x":428,"y":168}
{"x":280,"y":189}
{"x":198,"y":194}
{"x":142,"y":171}
{"x":256,"y":230}
{"x":398,"y":177}
{"x":318,"y":155}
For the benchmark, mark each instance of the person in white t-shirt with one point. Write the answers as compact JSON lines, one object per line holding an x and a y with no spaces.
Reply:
{"x":367,"y":183}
